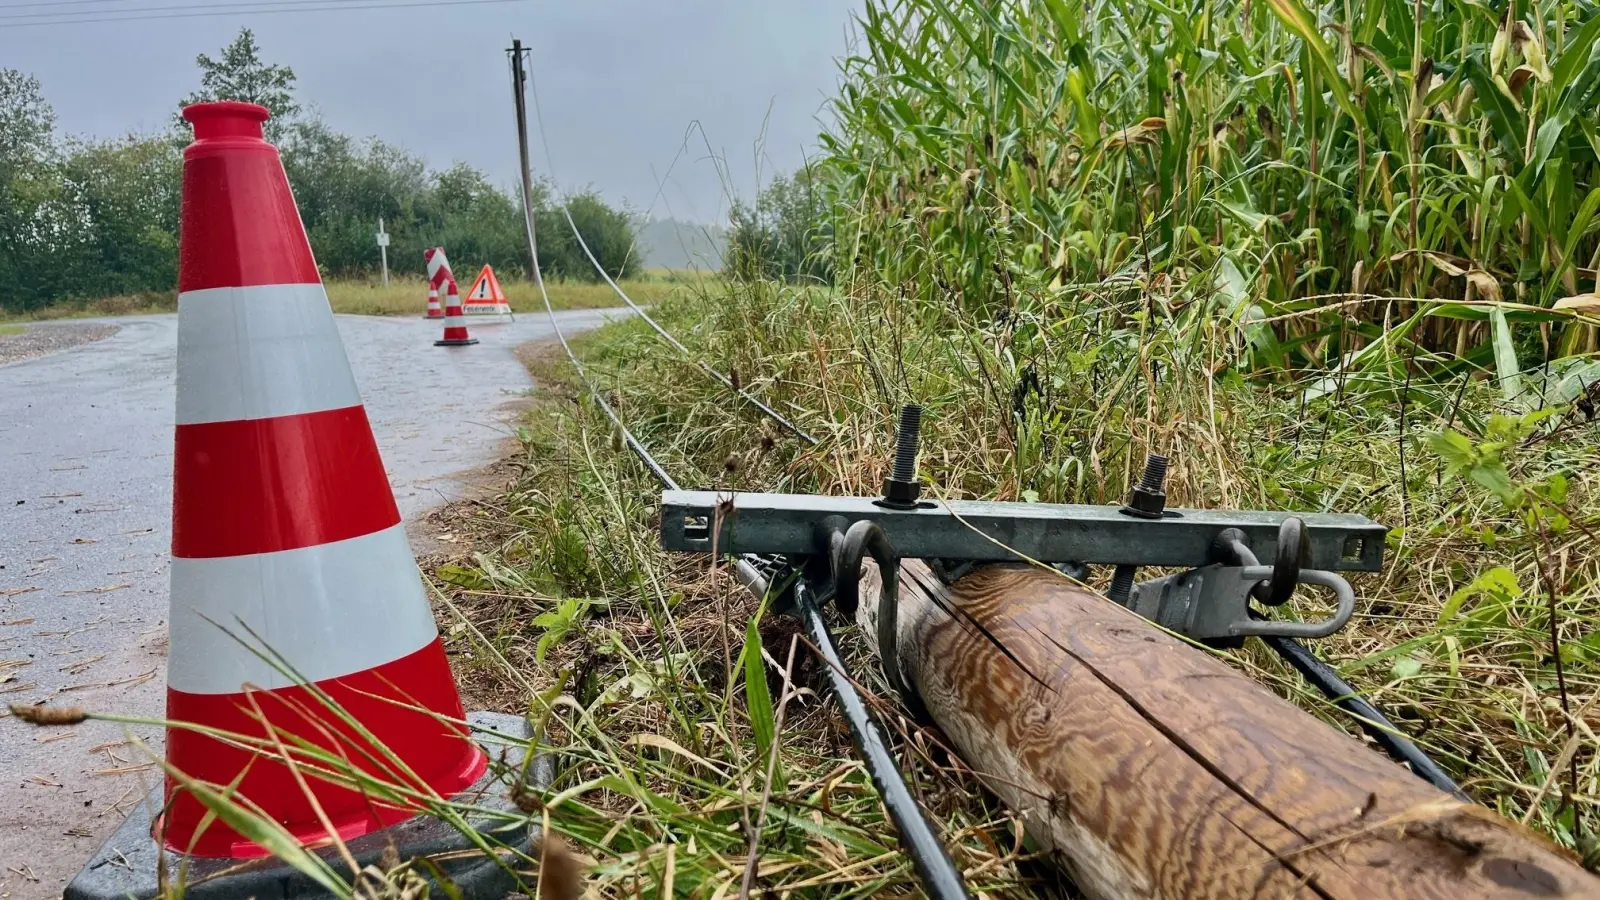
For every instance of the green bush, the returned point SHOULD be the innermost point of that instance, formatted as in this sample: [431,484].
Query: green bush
[785,235]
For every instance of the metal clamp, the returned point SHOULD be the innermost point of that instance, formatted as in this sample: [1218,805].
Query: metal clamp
[1342,591]
[1214,602]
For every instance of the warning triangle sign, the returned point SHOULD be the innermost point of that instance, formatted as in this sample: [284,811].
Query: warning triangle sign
[485,296]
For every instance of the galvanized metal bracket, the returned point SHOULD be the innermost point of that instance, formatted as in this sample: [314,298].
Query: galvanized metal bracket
[1217,548]
[985,531]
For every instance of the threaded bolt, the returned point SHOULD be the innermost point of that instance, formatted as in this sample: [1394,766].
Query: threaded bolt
[906,440]
[1155,472]
[1122,583]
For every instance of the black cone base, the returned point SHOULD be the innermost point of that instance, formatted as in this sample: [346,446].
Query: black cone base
[127,865]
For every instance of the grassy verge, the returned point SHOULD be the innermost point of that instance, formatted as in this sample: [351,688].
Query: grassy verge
[658,730]
[126,305]
[402,297]
[649,651]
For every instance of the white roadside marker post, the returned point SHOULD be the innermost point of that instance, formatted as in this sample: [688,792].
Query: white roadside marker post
[383,249]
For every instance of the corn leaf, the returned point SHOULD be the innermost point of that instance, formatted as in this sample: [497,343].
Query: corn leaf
[1304,24]
[1507,369]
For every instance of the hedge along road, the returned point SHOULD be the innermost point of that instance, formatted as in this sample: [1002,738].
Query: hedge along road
[86,494]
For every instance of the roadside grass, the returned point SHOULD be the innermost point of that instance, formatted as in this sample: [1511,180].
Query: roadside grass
[409,296]
[404,296]
[573,594]
[664,766]
[11,329]
[123,305]
[659,687]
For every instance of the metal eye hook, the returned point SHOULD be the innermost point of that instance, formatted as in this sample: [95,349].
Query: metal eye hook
[1294,551]
[860,539]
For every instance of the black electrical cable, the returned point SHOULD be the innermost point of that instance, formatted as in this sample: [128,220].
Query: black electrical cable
[938,873]
[1372,721]
[1343,695]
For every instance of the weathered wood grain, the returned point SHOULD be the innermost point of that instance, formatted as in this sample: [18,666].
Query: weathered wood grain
[1154,770]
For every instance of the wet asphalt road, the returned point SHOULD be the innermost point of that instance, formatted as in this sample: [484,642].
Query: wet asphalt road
[85,527]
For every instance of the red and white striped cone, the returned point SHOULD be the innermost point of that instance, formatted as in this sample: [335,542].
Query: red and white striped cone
[455,321]
[285,534]
[438,274]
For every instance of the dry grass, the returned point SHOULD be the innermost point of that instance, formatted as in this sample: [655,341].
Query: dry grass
[569,595]
[124,305]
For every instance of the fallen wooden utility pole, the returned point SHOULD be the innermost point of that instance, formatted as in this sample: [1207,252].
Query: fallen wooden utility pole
[1150,769]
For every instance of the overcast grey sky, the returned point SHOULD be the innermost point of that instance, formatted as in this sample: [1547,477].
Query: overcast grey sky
[619,80]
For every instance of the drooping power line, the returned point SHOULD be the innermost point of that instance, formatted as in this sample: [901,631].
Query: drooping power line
[112,5]
[666,335]
[212,10]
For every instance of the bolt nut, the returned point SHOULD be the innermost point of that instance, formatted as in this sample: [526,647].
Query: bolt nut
[1145,503]
[900,494]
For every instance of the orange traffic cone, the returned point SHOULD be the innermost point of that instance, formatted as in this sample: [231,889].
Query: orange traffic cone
[285,535]
[455,322]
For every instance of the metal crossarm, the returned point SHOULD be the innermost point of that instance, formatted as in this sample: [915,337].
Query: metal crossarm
[987,531]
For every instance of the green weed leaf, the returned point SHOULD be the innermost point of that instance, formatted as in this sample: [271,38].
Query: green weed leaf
[757,699]
[462,577]
[1454,448]
[1407,667]
[557,623]
[1499,583]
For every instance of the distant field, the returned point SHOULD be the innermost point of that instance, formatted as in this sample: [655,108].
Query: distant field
[404,297]
[128,305]
[410,296]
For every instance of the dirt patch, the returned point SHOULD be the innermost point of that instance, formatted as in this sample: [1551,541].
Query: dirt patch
[441,533]
[38,340]
[446,532]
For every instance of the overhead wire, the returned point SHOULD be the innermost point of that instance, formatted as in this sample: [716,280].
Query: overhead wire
[256,9]
[57,3]
[638,449]
[666,335]
[287,5]
[747,568]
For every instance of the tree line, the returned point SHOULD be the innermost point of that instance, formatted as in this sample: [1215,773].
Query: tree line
[786,234]
[82,219]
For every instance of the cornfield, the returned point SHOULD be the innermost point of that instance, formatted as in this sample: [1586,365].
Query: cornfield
[1311,176]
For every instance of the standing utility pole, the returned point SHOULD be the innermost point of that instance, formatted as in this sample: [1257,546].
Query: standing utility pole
[519,80]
